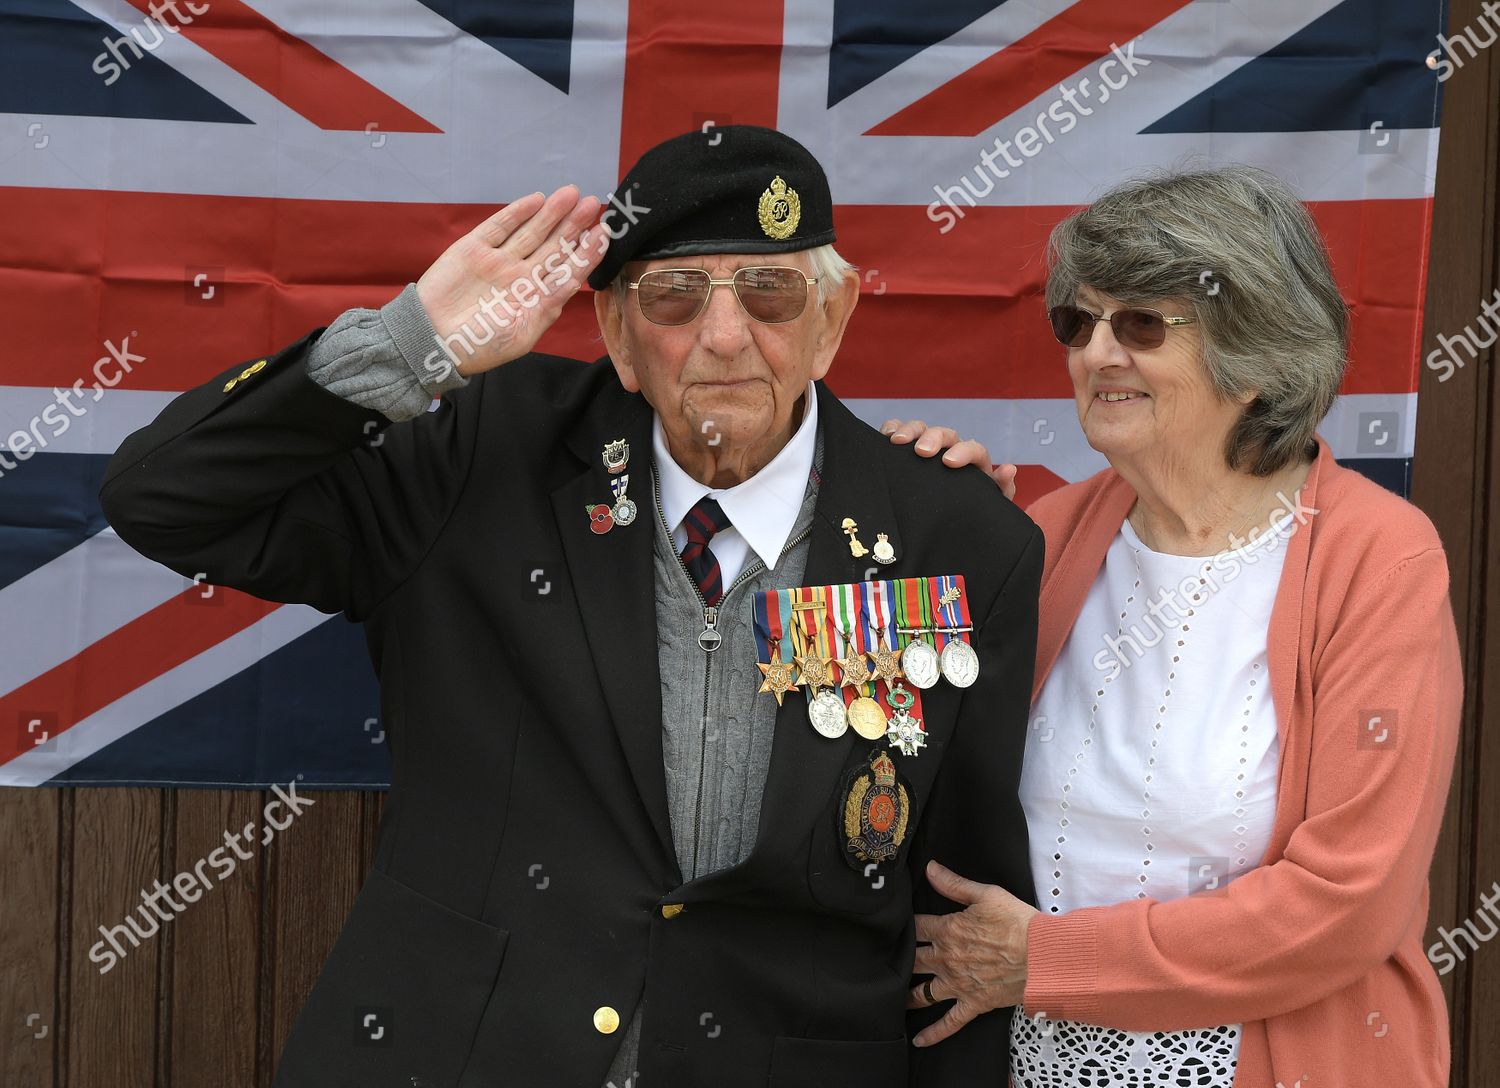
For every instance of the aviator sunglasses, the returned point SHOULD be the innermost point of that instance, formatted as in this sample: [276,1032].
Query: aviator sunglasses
[1138,328]
[768,293]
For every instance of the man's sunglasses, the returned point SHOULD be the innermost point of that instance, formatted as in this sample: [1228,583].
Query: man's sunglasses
[1137,328]
[675,296]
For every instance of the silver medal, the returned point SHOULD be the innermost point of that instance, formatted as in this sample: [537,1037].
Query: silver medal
[625,510]
[919,661]
[960,663]
[827,714]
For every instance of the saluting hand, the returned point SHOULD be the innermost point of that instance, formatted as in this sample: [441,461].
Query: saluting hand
[503,284]
[977,956]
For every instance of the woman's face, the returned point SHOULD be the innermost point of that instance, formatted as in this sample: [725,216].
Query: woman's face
[1148,405]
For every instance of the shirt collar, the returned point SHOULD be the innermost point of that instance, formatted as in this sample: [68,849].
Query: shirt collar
[763,508]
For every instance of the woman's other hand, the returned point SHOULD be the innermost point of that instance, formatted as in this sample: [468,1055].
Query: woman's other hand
[977,956]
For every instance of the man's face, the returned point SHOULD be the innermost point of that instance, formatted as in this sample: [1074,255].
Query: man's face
[725,381]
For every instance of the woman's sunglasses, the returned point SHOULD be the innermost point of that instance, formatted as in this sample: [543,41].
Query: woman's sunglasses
[1137,328]
[675,296]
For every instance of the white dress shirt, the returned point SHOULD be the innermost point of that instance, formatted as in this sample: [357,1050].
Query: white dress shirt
[762,509]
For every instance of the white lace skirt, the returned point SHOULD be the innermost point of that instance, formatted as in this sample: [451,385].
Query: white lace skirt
[1047,1053]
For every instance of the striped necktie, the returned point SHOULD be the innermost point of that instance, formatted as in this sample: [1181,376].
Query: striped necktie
[704,520]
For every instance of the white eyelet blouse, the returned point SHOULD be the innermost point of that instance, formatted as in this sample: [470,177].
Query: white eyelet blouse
[1151,773]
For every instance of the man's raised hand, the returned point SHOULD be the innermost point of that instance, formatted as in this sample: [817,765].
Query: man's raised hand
[492,293]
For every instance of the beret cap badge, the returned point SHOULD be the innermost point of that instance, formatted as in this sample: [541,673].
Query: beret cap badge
[780,210]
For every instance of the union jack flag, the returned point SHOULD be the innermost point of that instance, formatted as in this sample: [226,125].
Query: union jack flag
[187,184]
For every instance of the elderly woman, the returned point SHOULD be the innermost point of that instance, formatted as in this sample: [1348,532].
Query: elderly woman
[1247,688]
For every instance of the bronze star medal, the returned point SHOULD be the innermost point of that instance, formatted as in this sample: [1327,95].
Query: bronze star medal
[887,664]
[853,668]
[778,675]
[814,670]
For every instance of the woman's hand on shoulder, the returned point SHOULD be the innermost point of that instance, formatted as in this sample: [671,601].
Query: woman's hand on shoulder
[957,452]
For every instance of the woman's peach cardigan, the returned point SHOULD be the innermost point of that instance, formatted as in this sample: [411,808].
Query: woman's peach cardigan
[1318,951]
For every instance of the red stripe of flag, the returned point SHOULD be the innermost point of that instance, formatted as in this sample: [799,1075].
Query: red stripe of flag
[1017,74]
[293,71]
[81,267]
[174,631]
[689,61]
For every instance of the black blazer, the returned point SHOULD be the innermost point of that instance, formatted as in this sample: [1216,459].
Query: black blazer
[524,877]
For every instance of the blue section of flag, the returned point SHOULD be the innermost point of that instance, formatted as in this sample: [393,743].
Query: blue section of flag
[536,34]
[1363,62]
[300,713]
[55,58]
[871,37]
[49,504]
[1391,473]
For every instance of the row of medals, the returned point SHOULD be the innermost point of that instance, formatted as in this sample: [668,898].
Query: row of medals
[919,663]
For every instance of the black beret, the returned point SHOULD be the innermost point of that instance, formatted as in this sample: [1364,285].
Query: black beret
[736,189]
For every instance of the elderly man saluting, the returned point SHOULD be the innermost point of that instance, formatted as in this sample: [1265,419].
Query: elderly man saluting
[636,622]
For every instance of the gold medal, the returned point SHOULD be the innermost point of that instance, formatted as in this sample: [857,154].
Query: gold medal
[867,719]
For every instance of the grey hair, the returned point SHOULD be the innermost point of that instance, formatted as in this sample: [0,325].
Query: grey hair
[1238,246]
[828,267]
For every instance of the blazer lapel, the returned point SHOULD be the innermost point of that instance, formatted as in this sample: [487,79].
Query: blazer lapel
[805,766]
[613,579]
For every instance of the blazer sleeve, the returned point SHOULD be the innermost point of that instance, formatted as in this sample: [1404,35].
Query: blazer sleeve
[1353,874]
[974,823]
[262,480]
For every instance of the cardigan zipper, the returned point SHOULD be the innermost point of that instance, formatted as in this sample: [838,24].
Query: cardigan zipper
[710,623]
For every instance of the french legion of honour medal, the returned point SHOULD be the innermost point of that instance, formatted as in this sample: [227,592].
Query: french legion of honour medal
[875,812]
[906,732]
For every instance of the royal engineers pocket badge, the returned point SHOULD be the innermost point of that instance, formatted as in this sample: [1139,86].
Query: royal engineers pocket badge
[875,812]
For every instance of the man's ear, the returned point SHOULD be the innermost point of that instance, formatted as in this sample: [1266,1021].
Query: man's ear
[611,317]
[836,313]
